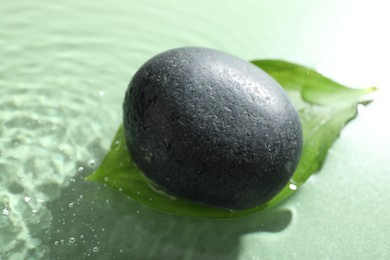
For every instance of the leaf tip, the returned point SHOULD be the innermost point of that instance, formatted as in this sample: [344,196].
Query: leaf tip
[91,177]
[373,89]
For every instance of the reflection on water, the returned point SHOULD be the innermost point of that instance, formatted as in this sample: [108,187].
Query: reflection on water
[43,132]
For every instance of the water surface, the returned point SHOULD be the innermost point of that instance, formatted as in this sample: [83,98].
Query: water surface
[63,73]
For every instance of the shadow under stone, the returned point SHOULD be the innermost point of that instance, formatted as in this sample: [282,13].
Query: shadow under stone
[93,221]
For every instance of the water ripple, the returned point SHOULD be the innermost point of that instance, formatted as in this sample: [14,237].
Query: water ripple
[45,136]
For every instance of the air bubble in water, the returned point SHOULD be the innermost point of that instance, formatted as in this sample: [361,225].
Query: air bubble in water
[6,211]
[72,240]
[95,249]
[91,163]
[80,169]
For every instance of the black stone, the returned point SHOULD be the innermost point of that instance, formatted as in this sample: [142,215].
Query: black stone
[211,127]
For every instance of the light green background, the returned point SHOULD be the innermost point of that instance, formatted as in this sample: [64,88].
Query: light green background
[63,71]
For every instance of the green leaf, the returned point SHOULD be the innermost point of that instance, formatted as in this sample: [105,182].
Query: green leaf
[119,172]
[324,108]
